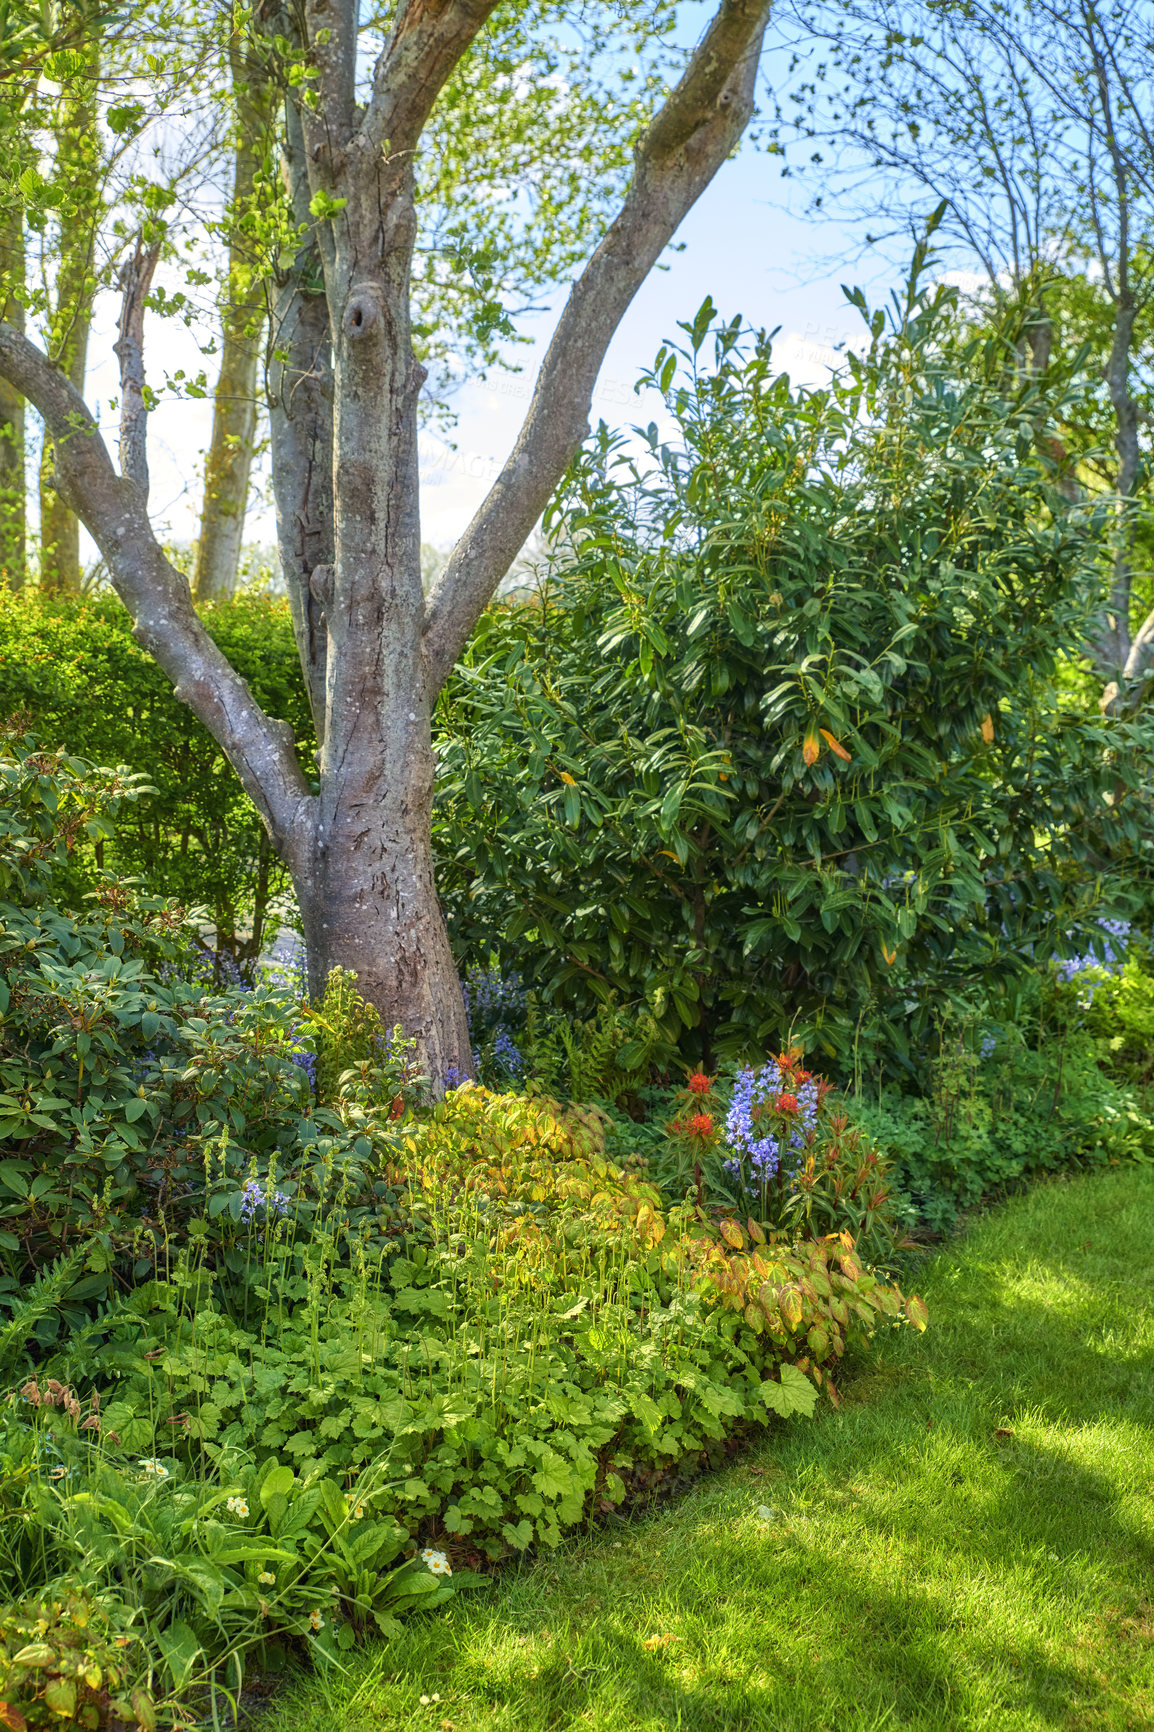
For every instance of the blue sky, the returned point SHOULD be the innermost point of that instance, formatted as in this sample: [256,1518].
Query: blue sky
[740,247]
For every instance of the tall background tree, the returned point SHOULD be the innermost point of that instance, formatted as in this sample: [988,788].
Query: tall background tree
[1029,125]
[236,399]
[13,516]
[357,840]
[71,291]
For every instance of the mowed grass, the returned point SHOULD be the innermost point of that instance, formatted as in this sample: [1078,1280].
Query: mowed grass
[919,1569]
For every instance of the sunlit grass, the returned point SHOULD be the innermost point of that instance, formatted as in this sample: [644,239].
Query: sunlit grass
[968,1543]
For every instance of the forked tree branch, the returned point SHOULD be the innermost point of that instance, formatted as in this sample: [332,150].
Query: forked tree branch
[135,282]
[679,154]
[427,41]
[259,748]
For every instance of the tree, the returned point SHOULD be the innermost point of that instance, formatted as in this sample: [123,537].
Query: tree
[344,401]
[12,511]
[1028,124]
[235,403]
[78,163]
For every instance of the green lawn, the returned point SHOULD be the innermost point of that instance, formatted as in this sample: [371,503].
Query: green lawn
[968,1543]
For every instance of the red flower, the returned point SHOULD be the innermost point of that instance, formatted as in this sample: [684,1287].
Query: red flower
[699,1083]
[701,1125]
[787,1103]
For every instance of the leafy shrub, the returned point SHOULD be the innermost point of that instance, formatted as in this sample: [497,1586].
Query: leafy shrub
[988,1123]
[73,669]
[782,734]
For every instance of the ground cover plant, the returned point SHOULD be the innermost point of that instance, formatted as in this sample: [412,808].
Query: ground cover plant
[964,1543]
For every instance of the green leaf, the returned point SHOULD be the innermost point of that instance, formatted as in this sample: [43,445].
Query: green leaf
[278,1483]
[794,1393]
[181,1649]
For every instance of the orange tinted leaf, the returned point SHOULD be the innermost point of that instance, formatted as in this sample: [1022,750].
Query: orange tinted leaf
[810,747]
[755,1231]
[988,730]
[789,1305]
[732,1234]
[834,745]
[917,1311]
[12,1717]
[891,956]
[569,781]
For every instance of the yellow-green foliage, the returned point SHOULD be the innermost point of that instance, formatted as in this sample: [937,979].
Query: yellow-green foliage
[554,1198]
[536,1174]
[530,1149]
[62,1661]
[807,1297]
[1132,1001]
[349,1033]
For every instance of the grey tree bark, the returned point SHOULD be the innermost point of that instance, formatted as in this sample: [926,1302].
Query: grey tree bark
[228,467]
[13,522]
[344,395]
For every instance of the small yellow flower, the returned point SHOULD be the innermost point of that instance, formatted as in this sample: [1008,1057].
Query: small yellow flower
[238,1506]
[267,1577]
[316,1620]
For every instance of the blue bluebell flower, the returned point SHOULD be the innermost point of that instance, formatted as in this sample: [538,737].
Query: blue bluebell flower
[253,1196]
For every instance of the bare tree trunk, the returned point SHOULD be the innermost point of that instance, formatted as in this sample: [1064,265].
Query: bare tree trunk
[234,421]
[300,399]
[78,154]
[1114,640]
[12,478]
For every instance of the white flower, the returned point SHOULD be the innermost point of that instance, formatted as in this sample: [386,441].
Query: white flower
[357,1512]
[427,1701]
[153,1469]
[238,1506]
[316,1620]
[266,1576]
[437,1562]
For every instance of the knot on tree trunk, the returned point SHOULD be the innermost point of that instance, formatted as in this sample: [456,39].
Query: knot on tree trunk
[364,312]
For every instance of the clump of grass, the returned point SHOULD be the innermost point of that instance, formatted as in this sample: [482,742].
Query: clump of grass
[965,1544]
